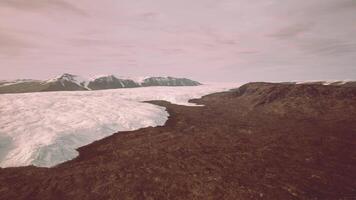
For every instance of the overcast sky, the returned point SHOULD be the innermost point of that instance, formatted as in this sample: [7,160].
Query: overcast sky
[207,40]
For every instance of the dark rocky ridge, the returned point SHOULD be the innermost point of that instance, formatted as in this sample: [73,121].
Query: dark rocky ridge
[261,141]
[111,82]
[168,81]
[62,86]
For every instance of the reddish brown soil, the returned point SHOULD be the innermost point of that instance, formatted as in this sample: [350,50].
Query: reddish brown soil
[262,141]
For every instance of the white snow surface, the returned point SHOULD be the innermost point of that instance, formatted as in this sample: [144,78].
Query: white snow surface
[45,129]
[328,82]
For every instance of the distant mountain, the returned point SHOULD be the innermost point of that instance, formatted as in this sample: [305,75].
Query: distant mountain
[70,82]
[66,82]
[111,82]
[20,86]
[168,81]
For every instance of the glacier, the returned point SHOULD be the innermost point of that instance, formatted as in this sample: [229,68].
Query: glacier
[45,129]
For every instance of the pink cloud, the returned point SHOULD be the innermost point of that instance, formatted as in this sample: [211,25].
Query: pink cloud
[203,39]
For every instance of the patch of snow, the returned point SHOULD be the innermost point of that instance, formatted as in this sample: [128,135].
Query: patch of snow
[328,82]
[45,129]
[81,81]
[334,82]
[138,79]
[100,76]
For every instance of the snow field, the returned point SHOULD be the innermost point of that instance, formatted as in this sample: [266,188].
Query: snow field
[45,129]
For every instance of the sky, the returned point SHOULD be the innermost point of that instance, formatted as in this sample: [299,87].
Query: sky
[206,40]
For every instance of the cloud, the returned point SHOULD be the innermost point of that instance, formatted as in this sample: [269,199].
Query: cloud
[329,47]
[249,40]
[292,31]
[87,42]
[38,5]
[335,6]
[248,52]
[10,45]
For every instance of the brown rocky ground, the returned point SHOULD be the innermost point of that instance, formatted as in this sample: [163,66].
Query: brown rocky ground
[261,141]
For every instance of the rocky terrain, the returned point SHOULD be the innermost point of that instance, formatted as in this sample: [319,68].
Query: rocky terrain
[70,82]
[260,141]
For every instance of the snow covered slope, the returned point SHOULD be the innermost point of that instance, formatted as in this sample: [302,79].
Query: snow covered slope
[66,82]
[44,129]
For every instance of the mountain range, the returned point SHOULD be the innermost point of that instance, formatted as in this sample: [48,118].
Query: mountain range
[70,82]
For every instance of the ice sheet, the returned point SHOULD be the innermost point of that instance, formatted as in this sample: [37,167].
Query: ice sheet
[45,129]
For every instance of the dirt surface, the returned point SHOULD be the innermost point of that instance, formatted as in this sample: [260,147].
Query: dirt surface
[261,141]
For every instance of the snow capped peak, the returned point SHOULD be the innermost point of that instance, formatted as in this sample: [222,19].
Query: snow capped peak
[71,77]
[65,76]
[81,81]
